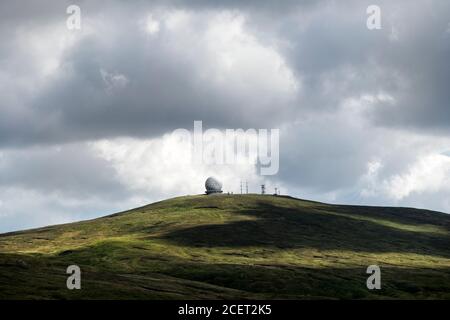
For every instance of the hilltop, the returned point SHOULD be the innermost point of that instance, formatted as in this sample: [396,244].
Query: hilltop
[233,247]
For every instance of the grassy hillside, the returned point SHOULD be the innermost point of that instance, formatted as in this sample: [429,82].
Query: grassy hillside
[239,246]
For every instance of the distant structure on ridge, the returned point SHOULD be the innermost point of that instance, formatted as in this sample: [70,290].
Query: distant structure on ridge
[213,186]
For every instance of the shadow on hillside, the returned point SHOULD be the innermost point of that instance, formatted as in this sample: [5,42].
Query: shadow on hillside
[293,282]
[44,277]
[311,228]
[409,216]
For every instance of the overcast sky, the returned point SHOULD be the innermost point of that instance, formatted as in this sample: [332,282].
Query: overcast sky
[86,115]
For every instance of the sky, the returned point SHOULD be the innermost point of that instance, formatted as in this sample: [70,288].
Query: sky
[87,115]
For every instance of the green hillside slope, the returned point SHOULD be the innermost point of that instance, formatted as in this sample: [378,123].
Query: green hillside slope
[238,246]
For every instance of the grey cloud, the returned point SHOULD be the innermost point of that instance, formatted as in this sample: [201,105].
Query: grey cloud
[340,58]
[71,170]
[328,47]
[166,89]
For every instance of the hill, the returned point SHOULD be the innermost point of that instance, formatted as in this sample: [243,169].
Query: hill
[238,246]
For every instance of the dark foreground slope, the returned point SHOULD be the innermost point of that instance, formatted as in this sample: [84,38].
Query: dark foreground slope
[240,246]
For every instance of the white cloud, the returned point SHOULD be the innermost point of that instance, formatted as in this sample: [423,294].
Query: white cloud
[239,59]
[152,25]
[162,167]
[429,174]
[417,183]
[371,178]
